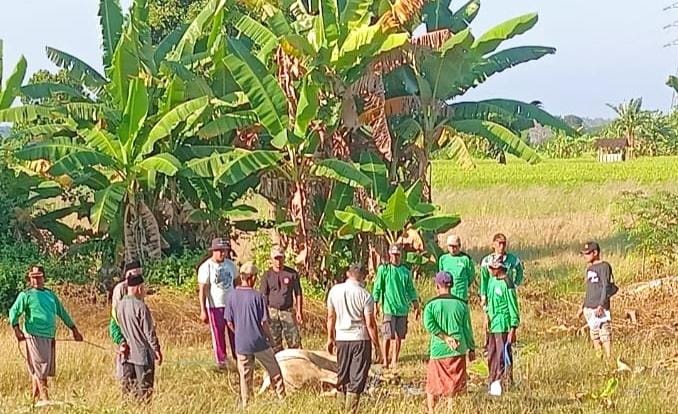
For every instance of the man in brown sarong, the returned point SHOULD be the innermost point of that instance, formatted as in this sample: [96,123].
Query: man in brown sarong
[40,308]
[448,320]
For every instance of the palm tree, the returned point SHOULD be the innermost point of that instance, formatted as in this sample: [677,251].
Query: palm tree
[630,120]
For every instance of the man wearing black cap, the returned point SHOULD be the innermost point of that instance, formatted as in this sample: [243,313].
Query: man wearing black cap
[138,329]
[599,288]
[130,269]
[215,280]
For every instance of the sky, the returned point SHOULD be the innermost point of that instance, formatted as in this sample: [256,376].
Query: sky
[609,51]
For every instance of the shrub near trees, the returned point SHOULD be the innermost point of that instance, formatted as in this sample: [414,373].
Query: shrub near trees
[294,105]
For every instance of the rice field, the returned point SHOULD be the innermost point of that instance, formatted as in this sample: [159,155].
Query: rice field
[547,211]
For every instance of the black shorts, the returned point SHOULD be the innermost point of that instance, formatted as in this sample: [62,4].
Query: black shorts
[394,326]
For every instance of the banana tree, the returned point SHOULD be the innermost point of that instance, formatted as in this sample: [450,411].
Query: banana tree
[423,78]
[303,110]
[122,137]
[10,89]
[401,214]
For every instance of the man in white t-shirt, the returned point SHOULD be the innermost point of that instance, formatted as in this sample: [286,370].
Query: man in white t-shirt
[215,278]
[352,330]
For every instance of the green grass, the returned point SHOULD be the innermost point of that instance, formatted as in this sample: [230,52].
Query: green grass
[554,173]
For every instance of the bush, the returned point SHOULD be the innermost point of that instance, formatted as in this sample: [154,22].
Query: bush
[650,223]
[177,271]
[15,260]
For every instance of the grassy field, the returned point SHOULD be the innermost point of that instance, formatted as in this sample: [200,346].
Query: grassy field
[547,211]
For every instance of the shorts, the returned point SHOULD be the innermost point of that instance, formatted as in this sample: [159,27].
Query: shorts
[394,326]
[41,356]
[603,333]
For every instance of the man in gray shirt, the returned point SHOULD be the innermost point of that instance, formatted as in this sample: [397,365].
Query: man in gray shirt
[599,288]
[138,328]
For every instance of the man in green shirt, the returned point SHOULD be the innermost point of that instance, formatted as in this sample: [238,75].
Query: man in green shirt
[503,317]
[394,294]
[459,265]
[40,308]
[448,320]
[514,267]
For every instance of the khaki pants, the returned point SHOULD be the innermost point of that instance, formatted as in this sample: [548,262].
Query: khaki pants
[246,370]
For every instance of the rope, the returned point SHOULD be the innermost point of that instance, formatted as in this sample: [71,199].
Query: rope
[87,343]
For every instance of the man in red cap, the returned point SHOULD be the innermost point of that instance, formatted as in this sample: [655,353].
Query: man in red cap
[215,280]
[40,308]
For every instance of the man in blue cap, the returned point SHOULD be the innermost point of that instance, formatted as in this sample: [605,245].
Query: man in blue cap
[448,320]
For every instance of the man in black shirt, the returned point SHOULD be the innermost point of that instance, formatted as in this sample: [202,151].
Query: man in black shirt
[282,291]
[596,306]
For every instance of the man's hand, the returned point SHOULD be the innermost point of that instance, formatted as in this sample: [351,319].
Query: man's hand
[451,342]
[158,357]
[18,333]
[471,355]
[512,336]
[77,336]
[203,316]
[330,346]
[300,318]
[600,311]
[123,350]
[376,354]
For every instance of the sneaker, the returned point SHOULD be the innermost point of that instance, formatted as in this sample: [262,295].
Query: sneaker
[495,389]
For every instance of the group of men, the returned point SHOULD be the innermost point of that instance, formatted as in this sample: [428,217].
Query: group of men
[254,323]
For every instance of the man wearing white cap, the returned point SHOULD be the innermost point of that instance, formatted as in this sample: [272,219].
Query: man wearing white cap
[459,265]
[394,294]
[282,290]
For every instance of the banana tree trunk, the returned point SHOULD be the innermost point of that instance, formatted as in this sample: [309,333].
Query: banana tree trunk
[143,241]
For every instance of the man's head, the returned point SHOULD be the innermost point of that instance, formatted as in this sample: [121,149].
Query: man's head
[591,251]
[498,268]
[499,244]
[443,282]
[453,244]
[355,273]
[394,254]
[248,274]
[277,258]
[36,276]
[136,286]
[132,268]
[220,249]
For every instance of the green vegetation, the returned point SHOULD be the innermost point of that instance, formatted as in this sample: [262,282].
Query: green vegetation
[312,125]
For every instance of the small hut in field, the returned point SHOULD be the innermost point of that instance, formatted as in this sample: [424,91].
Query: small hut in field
[611,149]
